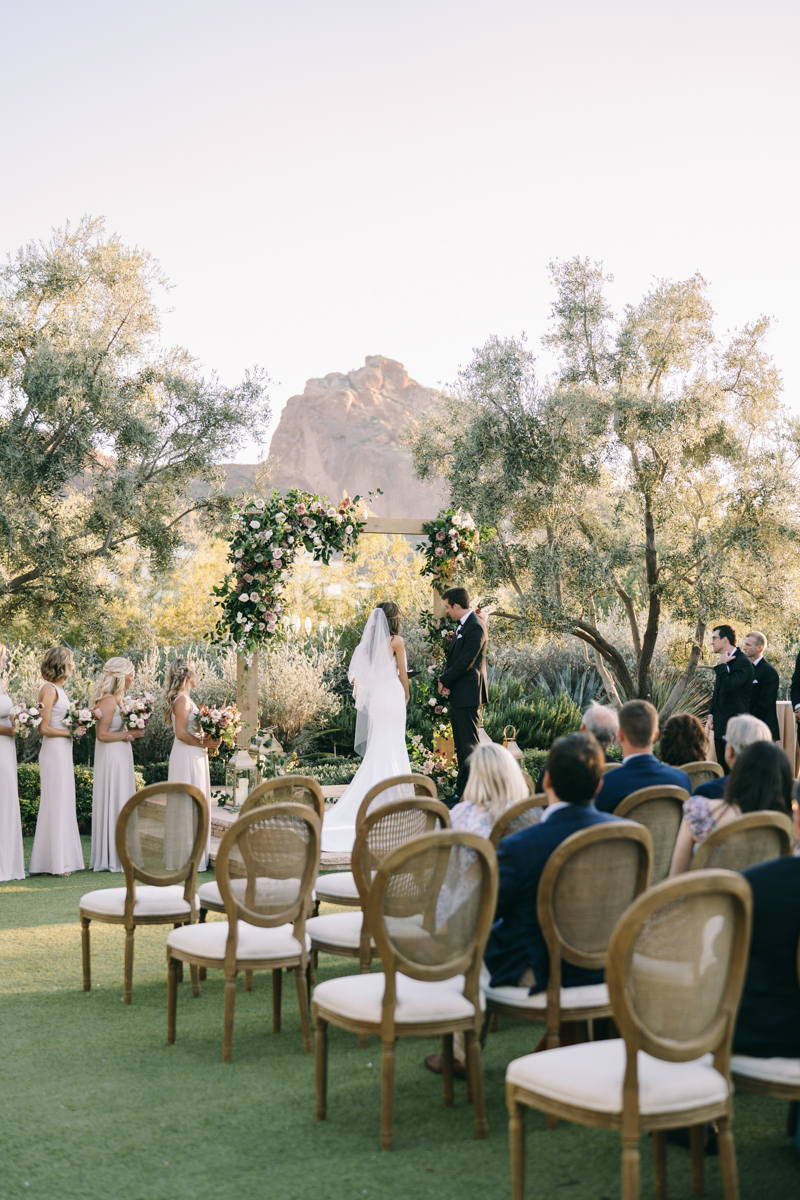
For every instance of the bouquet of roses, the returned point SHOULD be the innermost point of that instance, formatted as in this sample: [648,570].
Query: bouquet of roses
[222,724]
[432,763]
[25,719]
[79,719]
[136,712]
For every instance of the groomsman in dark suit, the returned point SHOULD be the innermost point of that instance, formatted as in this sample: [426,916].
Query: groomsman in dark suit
[794,694]
[733,686]
[765,683]
[463,681]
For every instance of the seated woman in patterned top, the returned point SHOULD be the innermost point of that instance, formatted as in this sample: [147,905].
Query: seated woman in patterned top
[761,779]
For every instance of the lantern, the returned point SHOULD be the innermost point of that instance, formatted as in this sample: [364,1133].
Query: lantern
[240,778]
[510,743]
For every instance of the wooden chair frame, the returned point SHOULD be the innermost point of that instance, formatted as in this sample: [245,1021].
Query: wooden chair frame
[705,766]
[627,807]
[511,814]
[133,873]
[611,766]
[468,965]
[294,913]
[753,820]
[716,1040]
[423,782]
[766,1087]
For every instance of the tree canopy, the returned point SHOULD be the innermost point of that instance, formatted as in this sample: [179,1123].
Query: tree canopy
[101,429]
[654,472]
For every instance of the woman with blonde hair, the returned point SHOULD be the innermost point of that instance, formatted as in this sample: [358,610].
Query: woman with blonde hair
[57,846]
[188,758]
[12,860]
[114,781]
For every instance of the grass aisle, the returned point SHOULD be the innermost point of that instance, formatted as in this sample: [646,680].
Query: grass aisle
[95,1105]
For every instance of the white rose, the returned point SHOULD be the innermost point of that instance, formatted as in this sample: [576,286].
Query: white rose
[260,505]
[255,524]
[238,553]
[239,618]
[266,535]
[254,597]
[330,512]
[280,517]
[245,596]
[349,529]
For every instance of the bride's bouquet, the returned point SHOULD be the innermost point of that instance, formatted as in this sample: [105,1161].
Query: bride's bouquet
[136,712]
[79,719]
[222,724]
[25,719]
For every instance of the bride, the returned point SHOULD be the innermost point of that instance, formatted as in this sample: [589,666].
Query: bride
[380,690]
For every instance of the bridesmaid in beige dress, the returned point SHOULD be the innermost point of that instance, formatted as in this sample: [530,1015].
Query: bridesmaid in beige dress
[114,780]
[188,759]
[57,846]
[12,861]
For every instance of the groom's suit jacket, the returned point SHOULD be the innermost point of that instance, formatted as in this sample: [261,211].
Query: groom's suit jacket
[465,671]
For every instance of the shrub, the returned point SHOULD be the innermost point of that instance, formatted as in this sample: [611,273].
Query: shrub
[30,791]
[538,719]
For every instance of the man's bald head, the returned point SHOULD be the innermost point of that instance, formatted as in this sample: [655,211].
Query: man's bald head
[602,721]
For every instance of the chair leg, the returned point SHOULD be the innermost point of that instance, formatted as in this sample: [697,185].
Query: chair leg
[486,1027]
[172,997]
[179,925]
[277,984]
[550,1122]
[697,1150]
[311,973]
[791,1118]
[302,1001]
[475,1076]
[321,1067]
[248,981]
[230,1005]
[447,1070]
[387,1095]
[660,1164]
[727,1159]
[86,955]
[630,1168]
[128,984]
[195,974]
[516,1139]
[203,971]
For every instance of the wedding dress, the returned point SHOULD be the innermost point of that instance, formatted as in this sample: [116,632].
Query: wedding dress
[57,846]
[114,784]
[12,862]
[187,764]
[380,732]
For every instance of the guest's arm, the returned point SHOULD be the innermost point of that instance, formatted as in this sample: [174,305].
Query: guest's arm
[510,882]
[682,854]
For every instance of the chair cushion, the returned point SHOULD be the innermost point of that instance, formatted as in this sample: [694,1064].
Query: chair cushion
[283,890]
[767,1070]
[338,886]
[151,901]
[592,995]
[209,940]
[359,998]
[337,929]
[590,1075]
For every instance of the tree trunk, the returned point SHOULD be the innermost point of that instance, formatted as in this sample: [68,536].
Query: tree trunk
[645,677]
[688,673]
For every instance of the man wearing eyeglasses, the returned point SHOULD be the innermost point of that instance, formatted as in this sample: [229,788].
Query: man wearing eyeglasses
[733,686]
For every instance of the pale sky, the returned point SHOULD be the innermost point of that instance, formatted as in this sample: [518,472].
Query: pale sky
[327,179]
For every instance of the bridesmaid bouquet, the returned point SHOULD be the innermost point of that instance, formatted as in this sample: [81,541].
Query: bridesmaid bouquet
[79,719]
[136,712]
[25,719]
[222,724]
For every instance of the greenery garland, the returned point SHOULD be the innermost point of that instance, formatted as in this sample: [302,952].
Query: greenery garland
[267,537]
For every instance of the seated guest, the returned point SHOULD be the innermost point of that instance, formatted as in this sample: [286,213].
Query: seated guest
[741,731]
[682,740]
[638,730]
[761,779]
[495,781]
[768,1025]
[602,721]
[516,952]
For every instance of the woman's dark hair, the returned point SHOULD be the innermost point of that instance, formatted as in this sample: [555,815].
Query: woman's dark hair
[683,740]
[392,616]
[761,779]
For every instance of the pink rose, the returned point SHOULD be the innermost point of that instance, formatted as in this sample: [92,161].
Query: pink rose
[439,552]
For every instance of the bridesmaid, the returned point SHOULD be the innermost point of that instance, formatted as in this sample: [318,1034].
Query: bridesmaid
[57,846]
[12,861]
[114,781]
[188,759]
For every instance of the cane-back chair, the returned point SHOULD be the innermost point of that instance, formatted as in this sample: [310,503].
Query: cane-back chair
[745,841]
[676,966]
[339,887]
[587,884]
[611,766]
[701,772]
[160,836]
[266,866]
[517,816]
[529,780]
[659,809]
[431,942]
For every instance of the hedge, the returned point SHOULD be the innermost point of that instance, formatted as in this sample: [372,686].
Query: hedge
[29,792]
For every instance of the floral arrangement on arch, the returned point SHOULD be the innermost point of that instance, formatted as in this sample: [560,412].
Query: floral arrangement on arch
[433,764]
[268,535]
[453,538]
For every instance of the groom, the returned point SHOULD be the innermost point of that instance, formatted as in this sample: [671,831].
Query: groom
[463,681]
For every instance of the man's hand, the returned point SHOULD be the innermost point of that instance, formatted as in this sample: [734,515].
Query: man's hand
[726,656]
[710,723]
[441,690]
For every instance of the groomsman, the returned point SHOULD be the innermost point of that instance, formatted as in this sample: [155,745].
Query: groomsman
[794,694]
[765,683]
[733,686]
[463,681]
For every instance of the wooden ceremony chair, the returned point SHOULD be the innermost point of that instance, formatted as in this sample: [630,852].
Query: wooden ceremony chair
[745,841]
[160,836]
[587,884]
[266,866]
[676,966]
[529,780]
[611,766]
[379,833]
[659,809]
[701,772]
[517,816]
[777,1077]
[431,954]
[339,887]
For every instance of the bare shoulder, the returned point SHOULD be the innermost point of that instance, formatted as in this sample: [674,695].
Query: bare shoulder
[181,703]
[106,704]
[397,642]
[47,691]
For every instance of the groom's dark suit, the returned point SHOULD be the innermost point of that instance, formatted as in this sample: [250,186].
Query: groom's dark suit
[465,677]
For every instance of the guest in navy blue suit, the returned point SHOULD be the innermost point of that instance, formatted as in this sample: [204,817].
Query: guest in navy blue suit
[638,729]
[516,952]
[741,731]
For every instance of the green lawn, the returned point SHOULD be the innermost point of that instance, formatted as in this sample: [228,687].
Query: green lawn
[95,1104]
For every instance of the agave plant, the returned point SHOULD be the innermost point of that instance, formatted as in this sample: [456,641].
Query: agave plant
[579,685]
[695,700]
